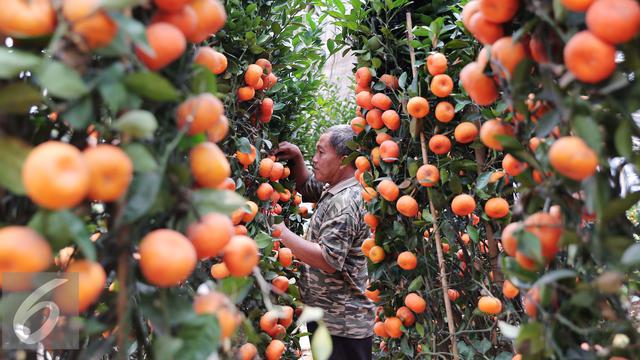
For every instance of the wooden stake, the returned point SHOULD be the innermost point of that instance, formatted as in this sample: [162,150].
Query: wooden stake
[442,269]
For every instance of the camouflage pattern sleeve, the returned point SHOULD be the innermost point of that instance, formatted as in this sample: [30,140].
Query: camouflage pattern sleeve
[337,232]
[311,190]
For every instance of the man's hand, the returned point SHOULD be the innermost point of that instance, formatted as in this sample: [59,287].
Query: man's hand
[282,227]
[288,151]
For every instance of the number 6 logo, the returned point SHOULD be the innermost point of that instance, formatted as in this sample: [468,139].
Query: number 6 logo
[30,306]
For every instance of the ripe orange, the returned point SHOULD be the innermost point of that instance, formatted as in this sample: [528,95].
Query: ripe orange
[376,254]
[614,21]
[506,55]
[389,151]
[406,316]
[531,301]
[219,271]
[439,144]
[91,281]
[525,262]
[513,166]
[418,107]
[247,351]
[219,131]
[490,129]
[379,330]
[573,158]
[211,18]
[463,205]
[285,257]
[407,260]
[246,93]
[287,319]
[274,350]
[441,85]
[210,235]
[22,18]
[200,113]
[381,101]
[166,257]
[241,255]
[484,30]
[375,155]
[265,166]
[167,43]
[360,89]
[577,5]
[171,5]
[362,163]
[382,137]
[246,159]
[363,99]
[470,9]
[184,19]
[509,290]
[22,250]
[496,208]
[277,170]
[371,220]
[388,190]
[209,165]
[110,171]
[428,175]
[407,206]
[368,194]
[264,191]
[247,217]
[281,283]
[265,65]
[465,132]
[436,64]
[252,75]
[392,325]
[548,229]
[363,76]
[480,87]
[217,304]
[415,302]
[266,110]
[56,176]
[374,119]
[214,61]
[509,241]
[90,22]
[390,81]
[499,11]
[445,112]
[588,58]
[391,119]
[358,124]
[489,305]
[453,294]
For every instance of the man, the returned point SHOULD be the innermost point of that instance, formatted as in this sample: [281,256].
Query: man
[334,274]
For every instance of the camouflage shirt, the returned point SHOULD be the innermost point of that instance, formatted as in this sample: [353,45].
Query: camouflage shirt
[338,226]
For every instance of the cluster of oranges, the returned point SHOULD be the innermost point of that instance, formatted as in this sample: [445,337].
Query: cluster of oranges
[405,316]
[259,77]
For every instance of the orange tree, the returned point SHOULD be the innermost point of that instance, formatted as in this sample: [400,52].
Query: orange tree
[118,157]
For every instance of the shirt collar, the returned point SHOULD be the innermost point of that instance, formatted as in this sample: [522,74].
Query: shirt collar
[342,185]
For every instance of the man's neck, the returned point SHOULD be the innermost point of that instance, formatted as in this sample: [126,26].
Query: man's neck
[344,175]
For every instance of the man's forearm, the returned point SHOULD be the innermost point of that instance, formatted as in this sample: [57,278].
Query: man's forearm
[306,251]
[300,172]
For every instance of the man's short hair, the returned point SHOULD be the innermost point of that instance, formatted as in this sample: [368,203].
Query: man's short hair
[339,135]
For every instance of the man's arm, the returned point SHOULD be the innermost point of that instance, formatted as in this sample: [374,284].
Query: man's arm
[306,251]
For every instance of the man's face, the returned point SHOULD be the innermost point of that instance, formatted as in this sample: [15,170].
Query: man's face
[326,163]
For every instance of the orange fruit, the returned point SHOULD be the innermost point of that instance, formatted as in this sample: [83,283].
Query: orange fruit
[210,235]
[480,87]
[368,194]
[379,330]
[573,158]
[445,248]
[247,217]
[506,55]
[185,19]
[534,142]
[110,171]
[56,176]
[445,112]
[376,254]
[358,124]
[22,249]
[166,257]
[577,5]
[366,246]
[217,304]
[390,81]
[589,58]
[509,290]
[496,176]
[465,132]
[407,206]
[264,191]
[247,351]
[392,325]
[453,294]
[374,119]
[214,61]
[91,281]
[499,11]
[362,163]
[90,22]
[490,129]
[418,107]
[436,64]
[209,165]
[463,205]
[470,9]
[246,93]
[363,99]
[407,260]
[531,301]
[428,175]
[171,5]
[391,119]
[509,241]
[281,283]
[513,166]
[373,295]
[388,190]
[484,30]
[406,316]
[252,75]
[211,18]
[265,65]
[277,170]
[270,80]
[241,255]
[22,18]
[548,229]
[441,85]
[381,101]
[489,305]
[363,76]
[614,21]
[266,110]
[285,257]
[439,144]
[371,220]
[526,262]
[265,166]
[200,113]
[219,131]
[389,151]
[375,155]
[268,321]
[496,208]
[287,319]
[219,271]
[360,89]
[167,44]
[415,302]
[246,159]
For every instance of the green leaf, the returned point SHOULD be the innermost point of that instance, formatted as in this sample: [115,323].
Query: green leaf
[80,113]
[531,337]
[509,143]
[200,337]
[416,284]
[137,123]
[166,347]
[142,159]
[483,180]
[623,141]
[529,245]
[13,153]
[203,80]
[61,228]
[12,62]
[61,81]
[263,239]
[121,4]
[243,145]
[631,256]
[134,29]
[152,86]
[321,345]
[18,98]
[420,329]
[588,129]
[141,196]
[221,201]
[114,94]
[554,276]
[237,288]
